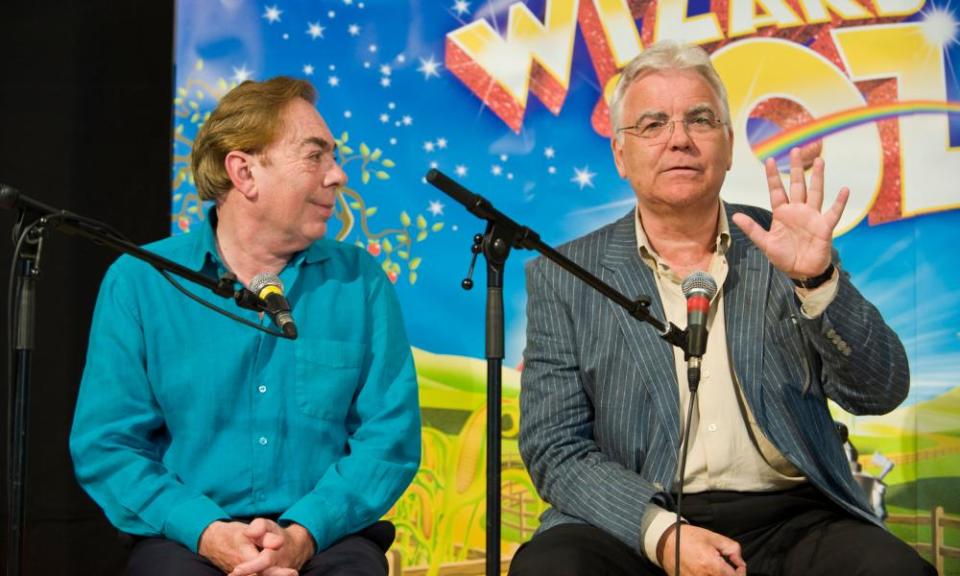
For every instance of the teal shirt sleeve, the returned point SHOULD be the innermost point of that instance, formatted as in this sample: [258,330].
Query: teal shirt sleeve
[118,429]
[383,430]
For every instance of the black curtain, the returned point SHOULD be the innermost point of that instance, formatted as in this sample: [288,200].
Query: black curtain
[86,92]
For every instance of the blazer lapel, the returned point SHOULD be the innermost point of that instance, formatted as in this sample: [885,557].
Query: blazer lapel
[745,294]
[624,270]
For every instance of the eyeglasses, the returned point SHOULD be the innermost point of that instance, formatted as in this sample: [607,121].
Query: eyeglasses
[658,130]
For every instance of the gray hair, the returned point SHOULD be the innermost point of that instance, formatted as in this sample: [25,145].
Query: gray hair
[666,55]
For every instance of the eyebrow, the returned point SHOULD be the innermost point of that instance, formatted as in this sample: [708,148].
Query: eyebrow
[660,115]
[324,145]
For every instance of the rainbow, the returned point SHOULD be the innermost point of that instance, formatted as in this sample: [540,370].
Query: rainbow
[781,144]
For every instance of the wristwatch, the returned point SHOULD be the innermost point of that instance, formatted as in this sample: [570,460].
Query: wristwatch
[815,281]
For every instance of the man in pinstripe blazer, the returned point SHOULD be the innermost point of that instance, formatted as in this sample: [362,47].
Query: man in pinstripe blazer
[767,484]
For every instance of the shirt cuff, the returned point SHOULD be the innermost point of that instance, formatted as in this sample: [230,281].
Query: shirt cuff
[187,521]
[813,301]
[656,521]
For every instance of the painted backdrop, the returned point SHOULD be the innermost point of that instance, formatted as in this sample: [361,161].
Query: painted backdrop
[509,98]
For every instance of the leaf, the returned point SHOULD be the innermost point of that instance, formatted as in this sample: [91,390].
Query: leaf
[371,211]
[179,129]
[402,238]
[403,254]
[193,104]
[178,101]
[381,175]
[437,227]
[365,176]
[359,244]
[421,221]
[388,163]
[413,278]
[346,150]
[199,94]
[375,155]
[415,263]
[355,205]
[195,117]
[386,265]
[344,137]
[182,92]
[387,246]
[405,218]
[222,85]
[177,197]
[199,64]
[192,209]
[422,236]
[364,149]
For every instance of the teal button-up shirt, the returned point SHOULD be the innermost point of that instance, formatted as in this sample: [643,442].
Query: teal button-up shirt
[186,417]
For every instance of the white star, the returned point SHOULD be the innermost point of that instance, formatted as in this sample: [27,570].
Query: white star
[461,7]
[441,143]
[583,177]
[460,170]
[384,118]
[286,36]
[401,58]
[407,120]
[360,5]
[551,169]
[393,141]
[372,47]
[331,14]
[496,170]
[333,81]
[348,2]
[386,70]
[315,30]
[332,67]
[391,105]
[366,65]
[308,69]
[434,164]
[241,74]
[503,157]
[385,82]
[347,114]
[436,208]
[353,30]
[509,175]
[429,67]
[272,14]
[428,146]
[549,152]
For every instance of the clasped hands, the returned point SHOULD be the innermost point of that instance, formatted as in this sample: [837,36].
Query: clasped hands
[261,547]
[799,242]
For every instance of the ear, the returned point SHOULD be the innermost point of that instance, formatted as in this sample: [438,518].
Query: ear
[617,149]
[239,167]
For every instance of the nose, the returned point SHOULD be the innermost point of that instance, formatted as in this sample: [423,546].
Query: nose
[335,177]
[679,137]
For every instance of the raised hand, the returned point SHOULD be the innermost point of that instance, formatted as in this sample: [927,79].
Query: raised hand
[800,238]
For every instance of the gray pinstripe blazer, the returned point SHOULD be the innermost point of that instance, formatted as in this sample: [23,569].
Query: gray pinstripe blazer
[600,416]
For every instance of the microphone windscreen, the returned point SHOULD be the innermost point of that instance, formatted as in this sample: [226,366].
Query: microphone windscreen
[699,282]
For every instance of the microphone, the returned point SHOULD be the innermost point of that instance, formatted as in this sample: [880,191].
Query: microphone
[269,289]
[699,288]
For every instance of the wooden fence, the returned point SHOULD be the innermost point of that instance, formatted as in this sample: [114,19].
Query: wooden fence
[935,550]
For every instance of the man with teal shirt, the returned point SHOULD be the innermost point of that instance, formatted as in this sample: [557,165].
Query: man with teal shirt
[225,449]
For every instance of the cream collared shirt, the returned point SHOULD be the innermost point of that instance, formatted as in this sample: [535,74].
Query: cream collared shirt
[728,450]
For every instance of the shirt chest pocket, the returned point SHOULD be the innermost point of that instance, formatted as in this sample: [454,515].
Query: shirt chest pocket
[327,376]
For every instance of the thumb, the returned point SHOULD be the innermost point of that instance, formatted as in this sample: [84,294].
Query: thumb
[754,231]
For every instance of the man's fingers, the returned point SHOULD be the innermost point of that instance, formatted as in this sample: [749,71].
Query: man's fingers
[798,183]
[272,541]
[777,194]
[833,215]
[754,231]
[815,193]
[256,529]
[261,562]
[278,571]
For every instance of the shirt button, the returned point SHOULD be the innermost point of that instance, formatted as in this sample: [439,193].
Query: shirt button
[262,388]
[263,440]
[712,427]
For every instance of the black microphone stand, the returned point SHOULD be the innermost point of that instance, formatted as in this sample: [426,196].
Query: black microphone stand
[501,235]
[28,259]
